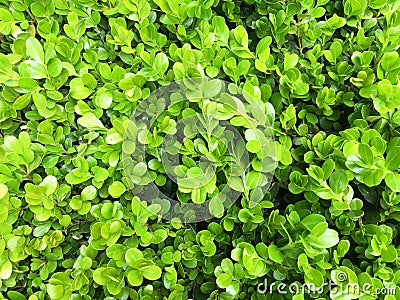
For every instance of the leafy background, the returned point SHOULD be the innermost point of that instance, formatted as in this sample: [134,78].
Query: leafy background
[71,74]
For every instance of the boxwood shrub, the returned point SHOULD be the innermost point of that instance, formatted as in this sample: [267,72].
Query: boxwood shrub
[314,210]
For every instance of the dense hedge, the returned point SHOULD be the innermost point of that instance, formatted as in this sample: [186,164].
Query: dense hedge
[73,224]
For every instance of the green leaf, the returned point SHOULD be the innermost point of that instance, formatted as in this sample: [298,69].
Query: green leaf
[116,189]
[89,193]
[50,184]
[114,138]
[36,69]
[80,92]
[355,8]
[224,280]
[335,22]
[27,83]
[90,121]
[151,272]
[105,99]
[275,254]
[140,169]
[132,255]
[343,247]
[98,276]
[4,203]
[389,254]
[161,63]
[22,102]
[6,72]
[392,161]
[312,220]
[392,180]
[54,67]
[290,61]
[328,239]
[6,270]
[3,190]
[77,177]
[14,295]
[366,153]
[34,50]
[216,207]
[253,180]
[135,278]
[253,146]
[212,88]
[241,36]
[5,15]
[338,181]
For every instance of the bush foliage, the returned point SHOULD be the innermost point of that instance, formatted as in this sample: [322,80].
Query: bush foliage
[73,72]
